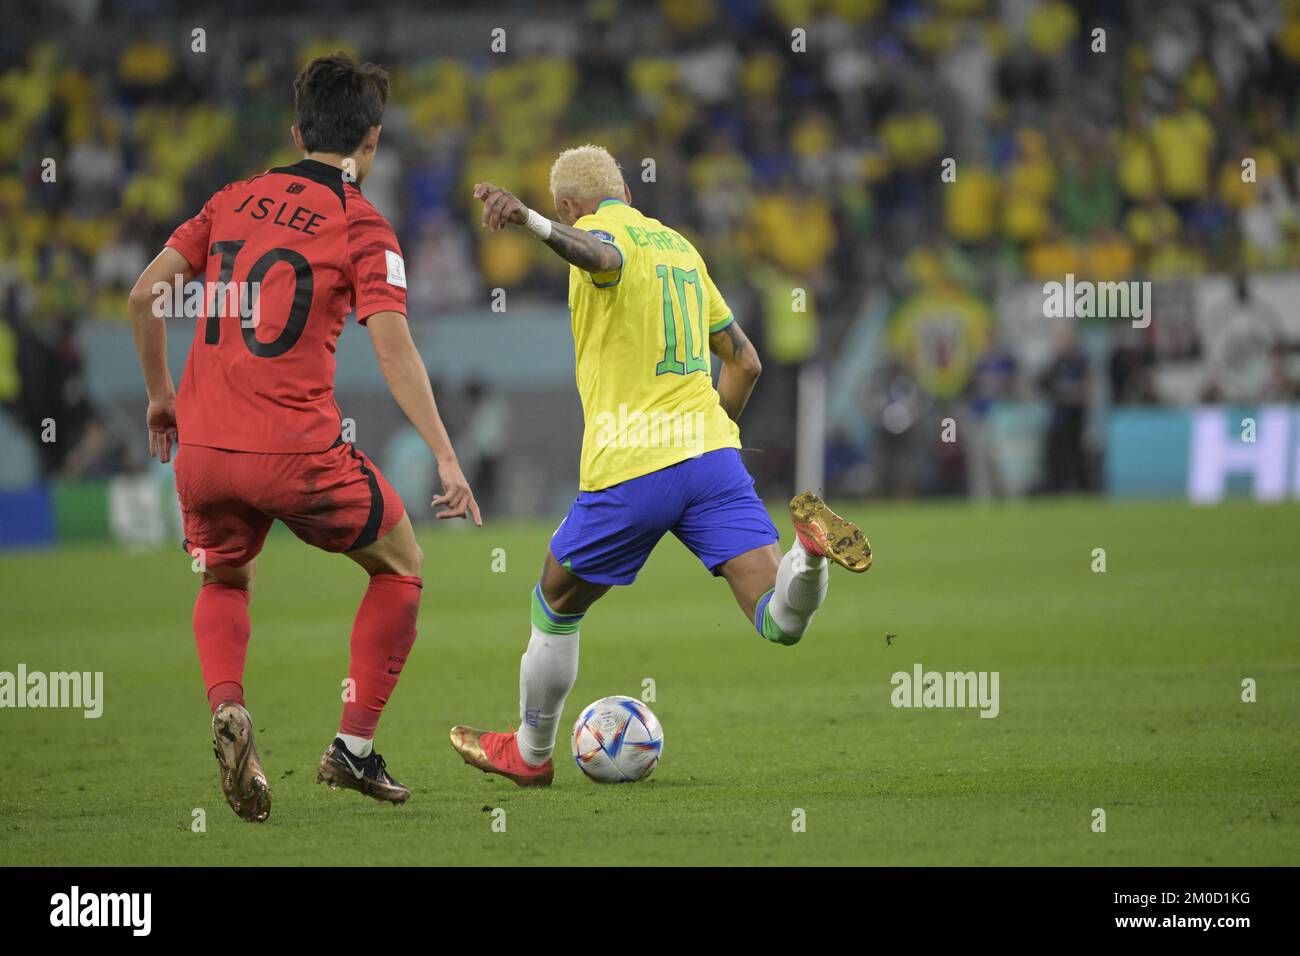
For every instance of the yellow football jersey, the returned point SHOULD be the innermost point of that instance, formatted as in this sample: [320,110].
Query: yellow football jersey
[641,343]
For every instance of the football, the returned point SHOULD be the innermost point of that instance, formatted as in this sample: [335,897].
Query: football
[617,740]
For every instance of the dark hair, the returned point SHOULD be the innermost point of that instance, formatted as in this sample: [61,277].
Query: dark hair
[338,102]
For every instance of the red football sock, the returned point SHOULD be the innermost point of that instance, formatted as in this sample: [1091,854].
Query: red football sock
[382,636]
[221,631]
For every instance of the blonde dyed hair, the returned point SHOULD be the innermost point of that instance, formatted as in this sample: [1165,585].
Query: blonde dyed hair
[586,173]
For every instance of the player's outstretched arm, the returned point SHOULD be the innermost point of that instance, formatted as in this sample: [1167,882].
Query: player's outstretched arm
[740,368]
[575,246]
[408,381]
[149,326]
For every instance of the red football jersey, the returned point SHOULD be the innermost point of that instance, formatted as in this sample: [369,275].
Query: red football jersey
[315,249]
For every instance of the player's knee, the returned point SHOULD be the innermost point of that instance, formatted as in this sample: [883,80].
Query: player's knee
[562,602]
[397,552]
[568,600]
[408,564]
[563,592]
[409,561]
[231,578]
[558,614]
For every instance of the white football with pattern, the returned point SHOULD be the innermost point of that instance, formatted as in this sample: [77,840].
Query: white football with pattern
[617,740]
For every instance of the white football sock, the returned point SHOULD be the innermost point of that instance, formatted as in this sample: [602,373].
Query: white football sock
[547,672]
[801,583]
[358,746]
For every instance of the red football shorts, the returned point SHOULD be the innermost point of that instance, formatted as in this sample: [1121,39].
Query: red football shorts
[335,500]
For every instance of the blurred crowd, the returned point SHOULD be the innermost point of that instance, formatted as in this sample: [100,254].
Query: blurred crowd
[813,158]
[840,147]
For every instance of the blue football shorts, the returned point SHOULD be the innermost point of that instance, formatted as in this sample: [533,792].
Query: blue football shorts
[708,502]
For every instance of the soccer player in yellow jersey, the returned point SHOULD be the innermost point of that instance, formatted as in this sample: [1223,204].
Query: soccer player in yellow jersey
[660,448]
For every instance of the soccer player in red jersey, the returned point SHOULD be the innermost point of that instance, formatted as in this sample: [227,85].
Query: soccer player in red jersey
[289,254]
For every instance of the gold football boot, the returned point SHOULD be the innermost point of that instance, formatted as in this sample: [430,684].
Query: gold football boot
[825,533]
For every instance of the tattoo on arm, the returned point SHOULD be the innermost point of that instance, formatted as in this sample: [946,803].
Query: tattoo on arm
[729,343]
[740,368]
[582,249]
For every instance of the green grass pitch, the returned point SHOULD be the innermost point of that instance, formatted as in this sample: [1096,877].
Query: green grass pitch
[1119,690]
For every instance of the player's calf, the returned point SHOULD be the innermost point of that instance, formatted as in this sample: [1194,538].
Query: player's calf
[547,672]
[784,613]
[383,634]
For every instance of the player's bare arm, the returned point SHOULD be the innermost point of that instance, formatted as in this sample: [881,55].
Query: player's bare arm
[582,249]
[575,246]
[740,368]
[151,346]
[408,381]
